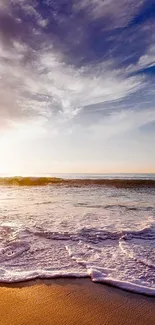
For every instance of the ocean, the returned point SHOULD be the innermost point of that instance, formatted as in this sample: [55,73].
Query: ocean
[98,226]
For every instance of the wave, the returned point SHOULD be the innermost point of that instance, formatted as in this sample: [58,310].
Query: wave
[99,277]
[30,253]
[43,181]
[93,235]
[113,206]
[85,234]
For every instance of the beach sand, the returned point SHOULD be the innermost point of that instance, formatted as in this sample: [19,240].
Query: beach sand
[73,302]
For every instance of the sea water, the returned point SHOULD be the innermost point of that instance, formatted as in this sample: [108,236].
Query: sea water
[106,233]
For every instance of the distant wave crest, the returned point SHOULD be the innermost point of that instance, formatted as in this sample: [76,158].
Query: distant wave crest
[43,181]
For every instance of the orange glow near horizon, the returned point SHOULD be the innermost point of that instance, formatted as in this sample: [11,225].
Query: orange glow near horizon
[14,163]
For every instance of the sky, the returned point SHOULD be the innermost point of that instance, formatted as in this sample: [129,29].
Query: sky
[77,86]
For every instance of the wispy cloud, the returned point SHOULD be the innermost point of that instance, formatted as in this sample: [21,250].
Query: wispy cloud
[76,66]
[38,77]
[49,86]
[116,14]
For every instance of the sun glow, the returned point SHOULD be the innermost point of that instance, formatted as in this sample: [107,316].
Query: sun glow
[8,164]
[13,154]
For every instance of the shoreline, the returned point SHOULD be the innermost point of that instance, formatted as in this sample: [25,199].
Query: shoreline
[118,285]
[69,301]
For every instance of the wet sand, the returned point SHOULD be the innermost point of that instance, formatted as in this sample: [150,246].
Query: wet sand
[73,302]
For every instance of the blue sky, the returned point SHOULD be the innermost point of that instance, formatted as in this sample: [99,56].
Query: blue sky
[77,86]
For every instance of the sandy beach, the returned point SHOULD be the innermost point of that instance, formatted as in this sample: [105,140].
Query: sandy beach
[72,301]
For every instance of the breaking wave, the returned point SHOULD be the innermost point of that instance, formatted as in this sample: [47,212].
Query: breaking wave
[43,181]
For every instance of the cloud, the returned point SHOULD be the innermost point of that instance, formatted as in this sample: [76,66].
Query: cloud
[50,87]
[123,122]
[58,59]
[148,59]
[116,14]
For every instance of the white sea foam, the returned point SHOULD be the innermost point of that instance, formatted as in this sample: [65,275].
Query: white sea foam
[38,254]
[137,288]
[75,234]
